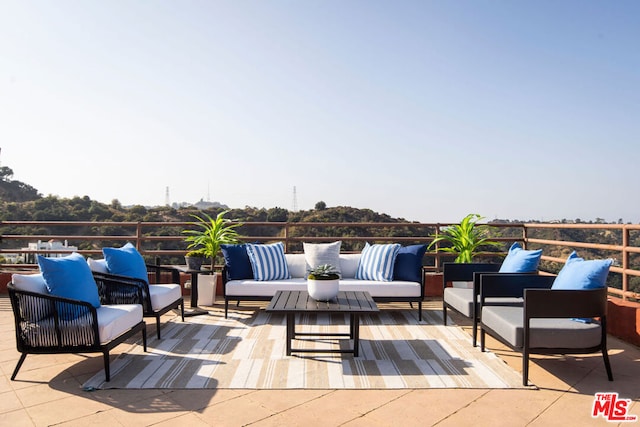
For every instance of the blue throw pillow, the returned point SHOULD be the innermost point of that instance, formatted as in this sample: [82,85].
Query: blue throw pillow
[580,274]
[377,262]
[408,264]
[69,277]
[237,262]
[268,261]
[126,261]
[519,260]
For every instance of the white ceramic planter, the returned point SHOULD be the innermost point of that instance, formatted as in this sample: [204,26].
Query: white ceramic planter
[323,290]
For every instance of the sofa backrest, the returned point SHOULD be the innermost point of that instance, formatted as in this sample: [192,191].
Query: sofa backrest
[298,265]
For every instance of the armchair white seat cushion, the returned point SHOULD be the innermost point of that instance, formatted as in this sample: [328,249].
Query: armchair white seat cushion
[163,294]
[113,320]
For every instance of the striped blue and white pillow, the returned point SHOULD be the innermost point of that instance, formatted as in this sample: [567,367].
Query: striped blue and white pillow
[268,261]
[377,262]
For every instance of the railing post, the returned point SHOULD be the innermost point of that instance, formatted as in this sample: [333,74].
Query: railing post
[286,237]
[139,236]
[625,261]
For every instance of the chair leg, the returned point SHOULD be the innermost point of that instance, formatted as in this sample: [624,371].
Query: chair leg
[158,325]
[420,311]
[20,362]
[182,310]
[226,307]
[482,338]
[444,314]
[107,369]
[607,365]
[525,367]
[475,331]
[144,338]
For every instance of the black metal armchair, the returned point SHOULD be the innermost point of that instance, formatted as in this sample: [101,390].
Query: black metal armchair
[156,299]
[549,321]
[46,324]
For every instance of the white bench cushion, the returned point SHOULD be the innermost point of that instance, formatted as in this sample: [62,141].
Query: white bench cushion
[375,288]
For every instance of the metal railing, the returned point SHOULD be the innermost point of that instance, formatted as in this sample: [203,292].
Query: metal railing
[164,241]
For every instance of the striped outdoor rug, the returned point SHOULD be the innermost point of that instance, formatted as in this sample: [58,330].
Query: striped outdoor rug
[248,352]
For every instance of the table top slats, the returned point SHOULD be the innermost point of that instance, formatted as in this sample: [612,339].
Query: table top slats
[300,301]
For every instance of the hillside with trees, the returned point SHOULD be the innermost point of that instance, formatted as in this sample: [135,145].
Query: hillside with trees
[22,202]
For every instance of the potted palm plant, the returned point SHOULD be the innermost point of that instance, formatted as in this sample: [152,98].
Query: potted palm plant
[211,234]
[323,282]
[464,240]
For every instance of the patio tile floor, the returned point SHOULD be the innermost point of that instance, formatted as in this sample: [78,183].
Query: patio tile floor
[48,392]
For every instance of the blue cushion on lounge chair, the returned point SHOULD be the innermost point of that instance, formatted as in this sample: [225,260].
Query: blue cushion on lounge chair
[519,260]
[126,261]
[580,274]
[69,277]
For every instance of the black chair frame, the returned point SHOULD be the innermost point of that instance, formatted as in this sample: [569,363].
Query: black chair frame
[115,289]
[53,335]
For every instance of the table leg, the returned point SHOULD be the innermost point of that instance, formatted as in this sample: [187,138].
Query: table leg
[194,310]
[290,331]
[355,324]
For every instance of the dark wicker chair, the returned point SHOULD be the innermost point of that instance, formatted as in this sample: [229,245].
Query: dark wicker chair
[47,324]
[156,299]
[548,321]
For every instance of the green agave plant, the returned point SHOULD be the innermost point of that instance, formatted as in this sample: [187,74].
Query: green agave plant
[212,233]
[465,239]
[323,272]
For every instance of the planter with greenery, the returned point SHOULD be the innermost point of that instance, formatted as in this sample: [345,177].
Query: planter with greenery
[464,239]
[323,282]
[194,259]
[211,234]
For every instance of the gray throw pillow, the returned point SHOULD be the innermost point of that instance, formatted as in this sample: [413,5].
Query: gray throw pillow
[317,254]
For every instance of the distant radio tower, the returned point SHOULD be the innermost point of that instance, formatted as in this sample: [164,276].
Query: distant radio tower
[167,202]
[295,199]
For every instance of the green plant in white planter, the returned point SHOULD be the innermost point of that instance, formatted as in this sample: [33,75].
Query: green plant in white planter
[323,282]
[212,233]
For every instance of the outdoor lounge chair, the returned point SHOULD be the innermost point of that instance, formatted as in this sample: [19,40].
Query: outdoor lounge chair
[549,321]
[156,299]
[465,300]
[48,324]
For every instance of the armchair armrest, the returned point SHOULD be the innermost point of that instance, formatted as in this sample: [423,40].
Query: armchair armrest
[557,303]
[159,269]
[115,289]
[465,271]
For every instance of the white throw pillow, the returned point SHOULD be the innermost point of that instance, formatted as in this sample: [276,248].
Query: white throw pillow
[297,265]
[322,253]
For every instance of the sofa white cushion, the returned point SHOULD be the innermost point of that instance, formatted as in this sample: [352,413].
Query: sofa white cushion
[377,288]
[163,294]
[297,265]
[349,265]
[113,320]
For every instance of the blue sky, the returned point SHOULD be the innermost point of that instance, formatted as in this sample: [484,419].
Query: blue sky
[424,110]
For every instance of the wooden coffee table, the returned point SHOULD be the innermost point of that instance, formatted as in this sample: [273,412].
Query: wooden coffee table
[292,303]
